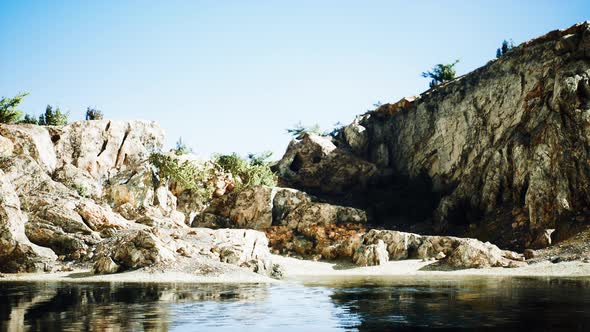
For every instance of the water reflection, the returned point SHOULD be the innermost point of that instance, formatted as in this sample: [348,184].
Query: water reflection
[101,307]
[364,304]
[469,303]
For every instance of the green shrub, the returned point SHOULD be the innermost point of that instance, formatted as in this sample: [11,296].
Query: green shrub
[506,46]
[260,159]
[9,112]
[187,174]
[181,148]
[247,173]
[300,129]
[81,189]
[441,73]
[53,117]
[31,119]
[94,114]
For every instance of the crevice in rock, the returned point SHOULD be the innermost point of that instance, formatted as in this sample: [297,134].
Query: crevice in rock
[103,148]
[121,146]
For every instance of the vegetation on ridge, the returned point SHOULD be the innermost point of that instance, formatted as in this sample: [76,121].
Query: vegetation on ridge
[53,117]
[441,73]
[506,46]
[254,171]
[9,112]
[93,113]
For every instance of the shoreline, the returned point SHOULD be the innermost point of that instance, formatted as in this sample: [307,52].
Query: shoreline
[297,270]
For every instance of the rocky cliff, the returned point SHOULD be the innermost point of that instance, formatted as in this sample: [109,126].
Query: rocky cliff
[502,153]
[85,194]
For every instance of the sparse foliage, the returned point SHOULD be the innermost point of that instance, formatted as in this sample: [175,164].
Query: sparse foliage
[260,159]
[53,117]
[247,173]
[181,148]
[93,113]
[30,119]
[189,175]
[377,105]
[506,46]
[300,129]
[441,73]
[9,112]
[335,131]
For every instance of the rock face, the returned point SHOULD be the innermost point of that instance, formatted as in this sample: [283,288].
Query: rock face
[454,252]
[17,253]
[509,139]
[86,192]
[371,254]
[316,164]
[295,222]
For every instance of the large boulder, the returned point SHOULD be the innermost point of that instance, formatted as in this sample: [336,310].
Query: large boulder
[250,208]
[315,163]
[295,222]
[371,254]
[17,253]
[134,249]
[454,252]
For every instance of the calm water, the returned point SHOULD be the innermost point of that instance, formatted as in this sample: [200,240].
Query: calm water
[362,304]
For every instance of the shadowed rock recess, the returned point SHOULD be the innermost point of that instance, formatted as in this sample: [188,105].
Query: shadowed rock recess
[501,154]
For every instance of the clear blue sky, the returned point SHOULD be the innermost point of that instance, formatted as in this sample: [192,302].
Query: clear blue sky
[232,75]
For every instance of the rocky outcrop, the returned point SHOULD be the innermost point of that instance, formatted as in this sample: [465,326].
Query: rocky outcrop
[316,164]
[87,192]
[508,139]
[295,222]
[371,254]
[133,250]
[454,252]
[17,253]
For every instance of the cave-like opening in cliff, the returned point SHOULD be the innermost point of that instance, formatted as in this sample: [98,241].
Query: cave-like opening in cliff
[461,216]
[401,202]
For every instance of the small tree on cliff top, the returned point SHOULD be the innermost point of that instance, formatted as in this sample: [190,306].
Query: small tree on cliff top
[441,73]
[506,46]
[9,112]
[53,117]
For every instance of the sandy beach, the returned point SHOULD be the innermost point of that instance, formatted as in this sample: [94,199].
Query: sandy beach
[303,270]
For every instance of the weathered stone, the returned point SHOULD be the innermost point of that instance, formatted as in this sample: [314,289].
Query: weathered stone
[399,244]
[315,163]
[242,248]
[529,253]
[33,141]
[105,265]
[250,208]
[101,146]
[79,181]
[475,254]
[453,251]
[99,218]
[542,238]
[371,254]
[134,249]
[17,253]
